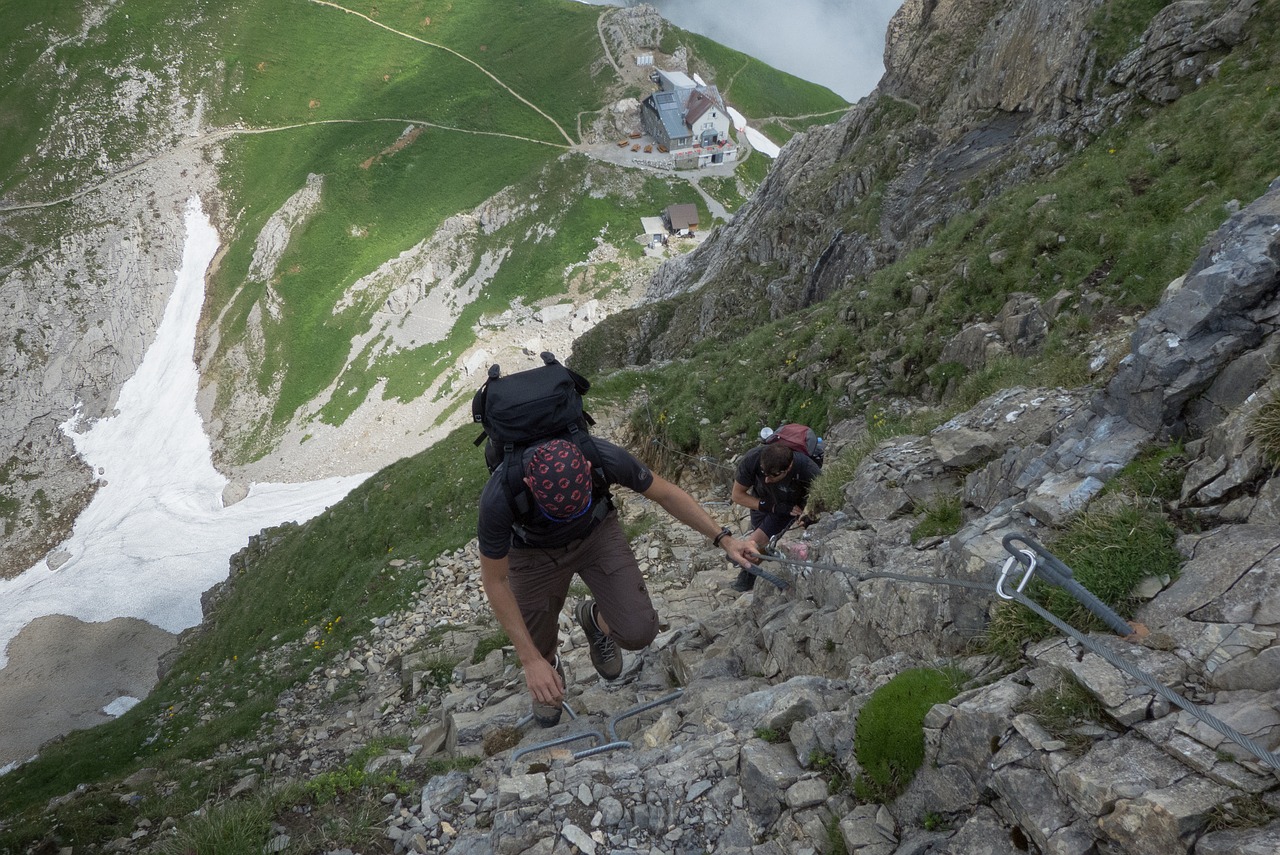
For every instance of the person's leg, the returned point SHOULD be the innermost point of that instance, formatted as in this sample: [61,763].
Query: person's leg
[623,608]
[621,612]
[763,527]
[540,582]
[767,526]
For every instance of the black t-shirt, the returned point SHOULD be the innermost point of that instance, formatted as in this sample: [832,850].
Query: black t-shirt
[497,515]
[792,491]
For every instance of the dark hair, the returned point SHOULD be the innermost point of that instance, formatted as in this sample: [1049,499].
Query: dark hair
[775,459]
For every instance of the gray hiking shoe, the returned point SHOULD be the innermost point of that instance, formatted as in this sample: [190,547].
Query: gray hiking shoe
[604,650]
[548,715]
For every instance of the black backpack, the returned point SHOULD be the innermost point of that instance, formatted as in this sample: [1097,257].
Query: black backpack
[523,409]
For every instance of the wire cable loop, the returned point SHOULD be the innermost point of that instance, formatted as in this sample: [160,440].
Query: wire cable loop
[1060,573]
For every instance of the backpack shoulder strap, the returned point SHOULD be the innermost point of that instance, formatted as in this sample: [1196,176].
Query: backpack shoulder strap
[602,498]
[513,471]
[480,398]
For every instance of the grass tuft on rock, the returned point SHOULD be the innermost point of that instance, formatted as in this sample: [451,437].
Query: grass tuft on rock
[889,740]
[1109,552]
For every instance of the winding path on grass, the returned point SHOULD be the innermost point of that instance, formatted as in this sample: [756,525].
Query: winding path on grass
[608,54]
[484,70]
[220,134]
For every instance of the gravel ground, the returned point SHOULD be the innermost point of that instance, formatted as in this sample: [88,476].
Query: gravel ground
[62,672]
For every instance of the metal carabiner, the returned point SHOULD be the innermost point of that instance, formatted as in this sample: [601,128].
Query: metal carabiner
[1008,565]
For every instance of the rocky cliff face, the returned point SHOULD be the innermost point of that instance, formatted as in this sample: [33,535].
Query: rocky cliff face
[1144,777]
[976,93]
[91,254]
[736,731]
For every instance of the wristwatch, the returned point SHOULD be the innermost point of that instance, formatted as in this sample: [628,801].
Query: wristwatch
[724,532]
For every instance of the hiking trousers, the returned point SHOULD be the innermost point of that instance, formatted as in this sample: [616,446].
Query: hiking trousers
[769,523]
[540,580]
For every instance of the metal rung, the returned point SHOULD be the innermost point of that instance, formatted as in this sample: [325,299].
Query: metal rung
[564,740]
[614,743]
[625,714]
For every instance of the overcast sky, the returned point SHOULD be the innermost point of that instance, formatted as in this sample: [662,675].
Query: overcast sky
[838,43]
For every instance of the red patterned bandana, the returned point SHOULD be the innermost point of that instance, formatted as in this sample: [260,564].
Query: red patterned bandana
[559,477]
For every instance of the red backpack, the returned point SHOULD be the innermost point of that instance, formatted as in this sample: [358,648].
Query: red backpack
[799,438]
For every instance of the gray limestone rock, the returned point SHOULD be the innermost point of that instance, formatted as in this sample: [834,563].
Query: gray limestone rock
[1244,841]
[868,830]
[1032,802]
[1218,560]
[1114,769]
[467,729]
[983,834]
[1166,820]
[766,772]
[1126,699]
[1181,346]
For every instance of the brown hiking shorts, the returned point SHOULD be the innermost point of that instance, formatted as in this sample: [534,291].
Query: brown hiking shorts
[540,581]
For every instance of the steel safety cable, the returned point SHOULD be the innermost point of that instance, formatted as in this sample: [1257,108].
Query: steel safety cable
[985,587]
[1129,668]
[1155,685]
[704,458]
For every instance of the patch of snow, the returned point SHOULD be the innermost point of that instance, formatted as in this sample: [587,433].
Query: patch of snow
[120,706]
[156,534]
[761,143]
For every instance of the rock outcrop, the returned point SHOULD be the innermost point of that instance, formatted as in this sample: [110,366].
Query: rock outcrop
[737,730]
[973,93]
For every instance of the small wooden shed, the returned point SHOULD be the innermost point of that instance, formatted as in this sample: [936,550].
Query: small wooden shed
[684,216]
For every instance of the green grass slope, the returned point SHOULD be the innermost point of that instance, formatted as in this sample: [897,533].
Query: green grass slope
[331,573]
[1121,217]
[499,109]
[307,87]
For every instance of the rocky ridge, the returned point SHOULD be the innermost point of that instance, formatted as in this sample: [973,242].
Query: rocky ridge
[705,772]
[700,776]
[976,94]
